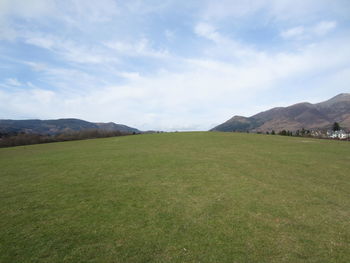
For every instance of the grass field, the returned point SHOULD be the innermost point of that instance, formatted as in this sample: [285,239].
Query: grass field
[177,197]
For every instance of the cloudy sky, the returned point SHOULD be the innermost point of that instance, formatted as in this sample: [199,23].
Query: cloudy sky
[169,64]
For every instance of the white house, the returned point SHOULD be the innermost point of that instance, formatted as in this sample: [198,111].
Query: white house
[342,135]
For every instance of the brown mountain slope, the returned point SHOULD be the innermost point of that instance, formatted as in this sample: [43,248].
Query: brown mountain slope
[302,115]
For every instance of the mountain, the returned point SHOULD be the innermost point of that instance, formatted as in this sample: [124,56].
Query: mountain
[302,115]
[59,126]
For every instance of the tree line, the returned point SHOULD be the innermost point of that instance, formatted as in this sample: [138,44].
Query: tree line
[21,138]
[301,132]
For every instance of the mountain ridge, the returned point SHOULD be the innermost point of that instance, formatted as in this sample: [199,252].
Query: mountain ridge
[294,117]
[56,126]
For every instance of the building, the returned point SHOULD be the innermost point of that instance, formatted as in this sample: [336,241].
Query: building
[341,134]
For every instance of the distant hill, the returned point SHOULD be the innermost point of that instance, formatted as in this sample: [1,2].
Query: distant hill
[59,126]
[302,115]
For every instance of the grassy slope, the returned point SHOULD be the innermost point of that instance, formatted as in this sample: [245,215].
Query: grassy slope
[182,197]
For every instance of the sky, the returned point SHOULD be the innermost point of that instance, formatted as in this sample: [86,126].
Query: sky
[169,64]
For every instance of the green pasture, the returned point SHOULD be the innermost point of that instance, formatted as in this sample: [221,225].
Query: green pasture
[176,197]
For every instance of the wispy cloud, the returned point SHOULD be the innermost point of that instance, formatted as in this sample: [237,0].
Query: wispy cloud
[141,47]
[26,9]
[303,32]
[324,27]
[13,82]
[293,32]
[70,50]
[295,11]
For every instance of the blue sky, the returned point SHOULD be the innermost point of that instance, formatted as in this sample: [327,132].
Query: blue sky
[169,65]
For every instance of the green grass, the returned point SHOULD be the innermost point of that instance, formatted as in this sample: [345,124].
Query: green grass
[177,197]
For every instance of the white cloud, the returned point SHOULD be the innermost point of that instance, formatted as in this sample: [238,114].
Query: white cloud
[295,11]
[73,10]
[44,96]
[13,82]
[324,27]
[70,50]
[293,32]
[225,47]
[229,8]
[78,14]
[141,47]
[83,14]
[129,75]
[208,31]
[26,9]
[68,81]
[140,7]
[302,32]
[43,42]
[95,53]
